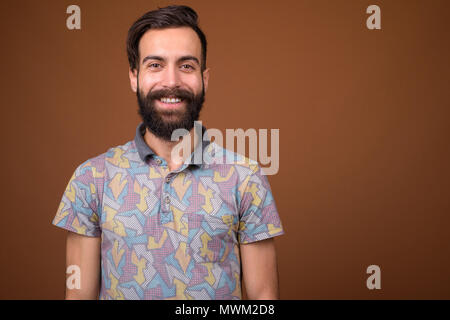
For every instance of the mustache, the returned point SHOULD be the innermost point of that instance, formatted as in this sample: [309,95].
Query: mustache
[172,93]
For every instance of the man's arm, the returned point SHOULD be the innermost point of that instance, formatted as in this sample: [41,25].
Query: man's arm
[84,252]
[259,269]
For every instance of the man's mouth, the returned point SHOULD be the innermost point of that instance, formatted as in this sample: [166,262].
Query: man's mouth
[170,100]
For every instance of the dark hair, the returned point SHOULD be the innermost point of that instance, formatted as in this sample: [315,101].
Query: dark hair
[162,18]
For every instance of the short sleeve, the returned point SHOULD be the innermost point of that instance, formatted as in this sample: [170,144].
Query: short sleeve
[78,210]
[259,217]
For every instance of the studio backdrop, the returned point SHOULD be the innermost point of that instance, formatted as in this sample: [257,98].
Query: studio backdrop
[359,91]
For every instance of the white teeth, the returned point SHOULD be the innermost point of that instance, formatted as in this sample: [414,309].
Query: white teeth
[170,100]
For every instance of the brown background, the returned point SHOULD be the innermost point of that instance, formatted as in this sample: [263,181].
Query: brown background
[363,118]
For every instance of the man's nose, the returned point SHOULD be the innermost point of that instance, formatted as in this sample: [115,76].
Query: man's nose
[171,77]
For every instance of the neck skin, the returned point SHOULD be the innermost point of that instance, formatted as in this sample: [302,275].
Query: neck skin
[164,148]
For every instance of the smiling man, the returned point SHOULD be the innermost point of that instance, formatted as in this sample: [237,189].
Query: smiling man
[145,226]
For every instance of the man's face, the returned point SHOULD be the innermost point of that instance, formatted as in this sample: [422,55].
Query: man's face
[170,85]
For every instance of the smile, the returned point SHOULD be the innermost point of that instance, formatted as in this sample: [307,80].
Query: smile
[170,100]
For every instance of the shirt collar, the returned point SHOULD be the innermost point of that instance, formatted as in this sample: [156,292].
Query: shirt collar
[145,151]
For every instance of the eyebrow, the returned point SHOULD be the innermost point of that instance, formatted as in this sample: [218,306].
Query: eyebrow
[181,59]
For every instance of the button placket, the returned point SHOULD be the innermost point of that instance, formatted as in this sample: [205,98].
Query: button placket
[165,199]
[165,194]
[165,208]
[166,188]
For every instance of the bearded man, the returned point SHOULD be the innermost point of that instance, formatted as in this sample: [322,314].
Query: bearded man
[142,225]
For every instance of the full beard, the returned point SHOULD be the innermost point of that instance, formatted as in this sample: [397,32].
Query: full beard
[163,123]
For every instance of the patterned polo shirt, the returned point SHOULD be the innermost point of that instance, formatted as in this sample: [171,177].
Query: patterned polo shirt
[169,234]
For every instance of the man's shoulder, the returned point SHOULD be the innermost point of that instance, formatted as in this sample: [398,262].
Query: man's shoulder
[119,156]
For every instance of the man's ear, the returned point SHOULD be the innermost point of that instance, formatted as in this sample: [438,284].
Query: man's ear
[205,76]
[133,74]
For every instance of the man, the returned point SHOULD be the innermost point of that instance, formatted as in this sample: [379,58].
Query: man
[145,225]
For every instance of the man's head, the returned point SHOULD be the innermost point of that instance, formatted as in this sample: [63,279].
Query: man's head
[167,55]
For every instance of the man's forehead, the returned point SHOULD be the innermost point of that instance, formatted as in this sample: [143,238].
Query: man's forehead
[170,42]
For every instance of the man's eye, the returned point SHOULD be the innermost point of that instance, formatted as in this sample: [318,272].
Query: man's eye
[154,65]
[187,66]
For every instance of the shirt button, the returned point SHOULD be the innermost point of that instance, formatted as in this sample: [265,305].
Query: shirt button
[167,200]
[158,161]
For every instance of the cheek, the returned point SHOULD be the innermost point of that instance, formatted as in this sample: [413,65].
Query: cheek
[147,83]
[194,83]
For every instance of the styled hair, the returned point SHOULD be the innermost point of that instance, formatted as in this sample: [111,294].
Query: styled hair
[162,18]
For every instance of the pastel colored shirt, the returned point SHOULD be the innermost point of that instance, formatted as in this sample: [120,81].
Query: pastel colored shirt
[169,234]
